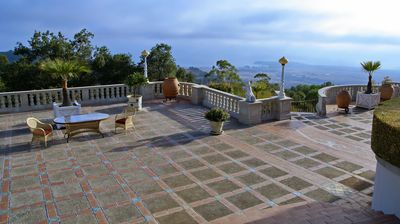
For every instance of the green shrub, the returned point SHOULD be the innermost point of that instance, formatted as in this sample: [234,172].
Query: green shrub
[385,140]
[135,80]
[217,115]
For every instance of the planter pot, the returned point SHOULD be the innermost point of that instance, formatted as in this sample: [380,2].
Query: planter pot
[65,111]
[343,100]
[368,101]
[135,101]
[386,91]
[386,196]
[170,88]
[216,127]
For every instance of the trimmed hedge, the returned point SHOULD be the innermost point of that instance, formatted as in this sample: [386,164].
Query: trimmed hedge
[385,140]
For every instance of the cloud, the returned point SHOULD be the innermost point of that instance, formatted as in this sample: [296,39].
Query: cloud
[238,29]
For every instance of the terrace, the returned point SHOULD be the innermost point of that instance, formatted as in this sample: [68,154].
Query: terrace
[309,169]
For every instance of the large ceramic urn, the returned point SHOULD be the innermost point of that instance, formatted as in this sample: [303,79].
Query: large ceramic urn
[170,88]
[343,100]
[386,91]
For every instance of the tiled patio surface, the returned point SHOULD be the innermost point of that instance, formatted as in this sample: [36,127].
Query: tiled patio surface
[169,170]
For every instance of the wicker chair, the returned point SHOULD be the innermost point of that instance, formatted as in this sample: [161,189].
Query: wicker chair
[125,119]
[40,130]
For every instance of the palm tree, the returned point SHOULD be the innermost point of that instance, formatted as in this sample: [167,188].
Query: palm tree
[370,67]
[64,70]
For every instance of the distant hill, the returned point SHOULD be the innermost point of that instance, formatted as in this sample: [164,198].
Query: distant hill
[198,73]
[299,73]
[10,56]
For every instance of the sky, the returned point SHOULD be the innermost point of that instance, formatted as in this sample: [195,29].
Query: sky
[319,32]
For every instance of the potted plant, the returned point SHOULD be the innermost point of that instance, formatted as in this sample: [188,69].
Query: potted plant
[135,81]
[368,99]
[386,89]
[64,70]
[217,117]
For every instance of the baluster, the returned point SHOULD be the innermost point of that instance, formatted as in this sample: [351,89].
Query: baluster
[9,103]
[2,105]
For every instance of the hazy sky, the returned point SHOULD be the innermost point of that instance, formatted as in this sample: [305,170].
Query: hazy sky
[333,32]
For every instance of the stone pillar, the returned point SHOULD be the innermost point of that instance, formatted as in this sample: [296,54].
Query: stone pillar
[197,95]
[147,92]
[282,111]
[250,113]
[321,106]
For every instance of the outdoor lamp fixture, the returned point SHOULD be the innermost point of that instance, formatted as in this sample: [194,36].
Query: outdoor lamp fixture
[283,61]
[145,54]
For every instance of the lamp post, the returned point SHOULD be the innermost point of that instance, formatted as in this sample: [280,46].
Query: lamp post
[283,61]
[145,54]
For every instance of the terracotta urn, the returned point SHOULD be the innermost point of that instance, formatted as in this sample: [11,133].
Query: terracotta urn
[170,88]
[343,100]
[386,92]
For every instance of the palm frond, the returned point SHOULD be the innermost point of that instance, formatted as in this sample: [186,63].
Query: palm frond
[63,69]
[370,66]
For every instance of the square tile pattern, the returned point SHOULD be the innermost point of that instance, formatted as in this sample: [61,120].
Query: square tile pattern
[169,168]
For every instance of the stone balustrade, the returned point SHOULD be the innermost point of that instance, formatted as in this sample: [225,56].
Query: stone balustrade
[248,113]
[327,95]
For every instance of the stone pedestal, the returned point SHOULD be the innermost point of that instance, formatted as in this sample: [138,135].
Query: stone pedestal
[66,111]
[386,197]
[135,101]
[283,109]
[250,113]
[368,101]
[197,95]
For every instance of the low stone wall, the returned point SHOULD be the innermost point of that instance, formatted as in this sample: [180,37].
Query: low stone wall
[327,95]
[262,110]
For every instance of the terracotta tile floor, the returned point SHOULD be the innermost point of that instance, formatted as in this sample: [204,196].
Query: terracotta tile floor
[170,170]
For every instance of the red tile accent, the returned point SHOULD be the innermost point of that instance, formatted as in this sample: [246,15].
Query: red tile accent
[92,200]
[47,194]
[6,186]
[51,210]
[101,218]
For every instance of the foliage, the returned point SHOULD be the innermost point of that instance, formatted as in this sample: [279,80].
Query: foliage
[47,45]
[224,77]
[217,115]
[111,69]
[370,67]
[305,92]
[261,87]
[160,63]
[62,69]
[22,75]
[135,80]
[385,141]
[184,76]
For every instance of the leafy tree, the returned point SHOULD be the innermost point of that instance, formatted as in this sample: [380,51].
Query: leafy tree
[22,75]
[3,60]
[160,63]
[305,92]
[64,70]
[184,75]
[110,69]
[370,67]
[225,74]
[261,87]
[135,80]
[47,45]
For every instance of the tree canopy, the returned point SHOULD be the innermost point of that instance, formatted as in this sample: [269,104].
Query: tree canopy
[160,63]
